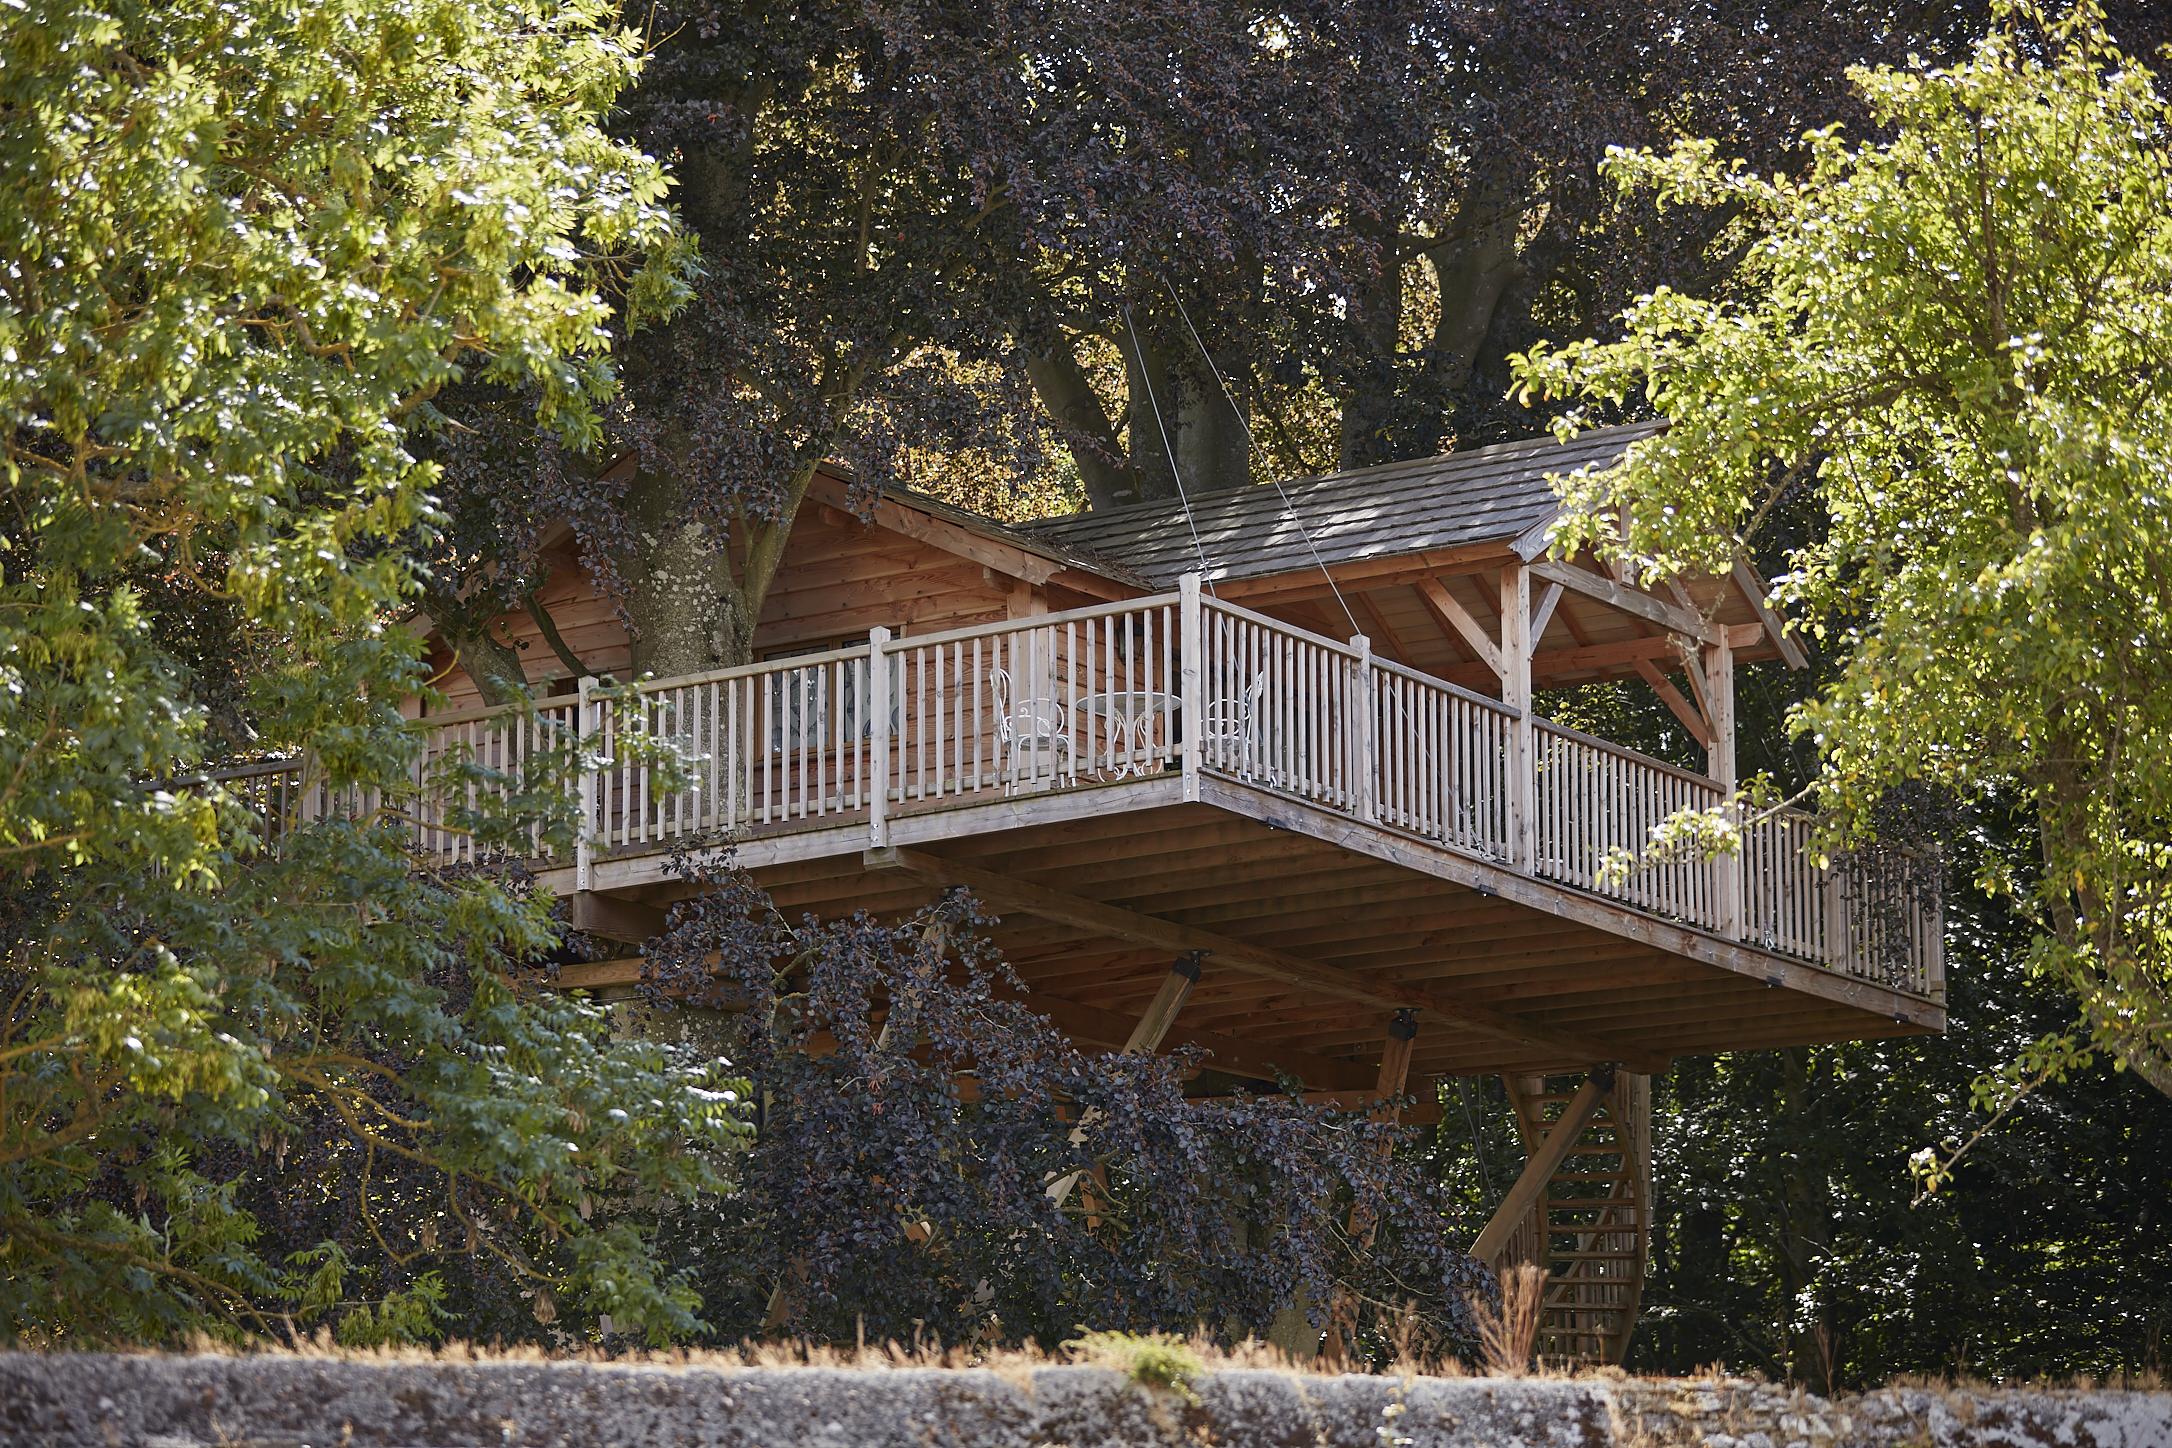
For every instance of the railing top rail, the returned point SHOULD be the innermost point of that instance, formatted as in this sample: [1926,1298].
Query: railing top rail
[491,711]
[791,662]
[258,769]
[1420,676]
[1276,625]
[1608,746]
[784,665]
[909,642]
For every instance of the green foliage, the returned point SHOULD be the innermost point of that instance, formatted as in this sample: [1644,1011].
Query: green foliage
[1790,1239]
[1788,1236]
[1952,338]
[1158,1360]
[244,247]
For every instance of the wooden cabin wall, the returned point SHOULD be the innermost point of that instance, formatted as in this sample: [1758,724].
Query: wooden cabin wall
[840,578]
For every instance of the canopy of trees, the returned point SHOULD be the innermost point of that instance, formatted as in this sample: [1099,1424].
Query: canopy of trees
[310,317]
[1951,339]
[243,248]
[1091,253]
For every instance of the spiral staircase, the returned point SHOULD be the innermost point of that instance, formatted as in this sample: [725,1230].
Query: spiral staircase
[1590,1228]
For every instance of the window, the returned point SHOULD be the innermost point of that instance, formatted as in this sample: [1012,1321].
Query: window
[800,701]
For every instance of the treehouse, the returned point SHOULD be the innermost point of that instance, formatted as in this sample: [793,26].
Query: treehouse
[1263,775]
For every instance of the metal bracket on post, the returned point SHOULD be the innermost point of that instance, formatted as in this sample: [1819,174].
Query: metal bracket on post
[584,726]
[878,729]
[1364,732]
[1191,678]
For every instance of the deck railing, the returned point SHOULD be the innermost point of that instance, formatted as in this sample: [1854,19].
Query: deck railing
[1596,801]
[1174,684]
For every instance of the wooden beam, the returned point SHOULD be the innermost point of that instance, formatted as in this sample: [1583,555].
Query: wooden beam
[1253,1060]
[1117,923]
[1382,630]
[1600,656]
[887,513]
[607,916]
[1395,1060]
[1543,615]
[1546,1158]
[1775,627]
[1390,571]
[1145,1039]
[596,974]
[1452,613]
[1699,728]
[1161,1012]
[1630,601]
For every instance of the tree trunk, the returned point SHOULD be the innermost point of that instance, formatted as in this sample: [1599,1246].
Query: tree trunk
[491,663]
[1181,427]
[688,611]
[1390,413]
[1804,1223]
[1373,404]
[1068,394]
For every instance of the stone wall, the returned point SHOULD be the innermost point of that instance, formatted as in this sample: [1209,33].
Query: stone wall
[275,1401]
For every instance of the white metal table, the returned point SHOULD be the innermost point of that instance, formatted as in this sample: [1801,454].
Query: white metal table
[1131,714]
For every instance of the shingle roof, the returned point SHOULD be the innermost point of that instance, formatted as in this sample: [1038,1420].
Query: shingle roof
[1487,494]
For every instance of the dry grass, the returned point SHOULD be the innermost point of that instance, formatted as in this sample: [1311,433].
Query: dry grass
[1508,1335]
[1512,1358]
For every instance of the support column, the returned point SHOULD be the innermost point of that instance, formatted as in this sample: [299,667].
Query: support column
[1146,1038]
[1161,1012]
[1719,694]
[878,736]
[1364,731]
[584,728]
[1395,1059]
[1191,680]
[1516,695]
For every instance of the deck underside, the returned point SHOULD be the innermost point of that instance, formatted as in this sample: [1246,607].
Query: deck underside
[1387,918]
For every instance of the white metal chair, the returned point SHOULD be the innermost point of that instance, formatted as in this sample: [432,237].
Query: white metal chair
[1028,731]
[1228,728]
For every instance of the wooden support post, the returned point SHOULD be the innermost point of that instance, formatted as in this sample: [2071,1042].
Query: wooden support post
[1515,656]
[1146,1038]
[1395,1061]
[1191,679]
[1719,693]
[1161,1012]
[1364,731]
[878,742]
[1546,1158]
[584,849]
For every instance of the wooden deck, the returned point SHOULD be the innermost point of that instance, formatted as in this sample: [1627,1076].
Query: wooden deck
[1343,836]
